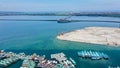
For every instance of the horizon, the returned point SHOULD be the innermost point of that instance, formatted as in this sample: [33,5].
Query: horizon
[62,11]
[56,6]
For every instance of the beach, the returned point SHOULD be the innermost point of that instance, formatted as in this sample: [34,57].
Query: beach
[95,35]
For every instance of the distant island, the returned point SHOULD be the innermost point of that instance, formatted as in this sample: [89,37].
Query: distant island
[96,35]
[106,14]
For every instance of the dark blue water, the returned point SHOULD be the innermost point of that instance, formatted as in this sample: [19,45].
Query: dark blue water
[40,37]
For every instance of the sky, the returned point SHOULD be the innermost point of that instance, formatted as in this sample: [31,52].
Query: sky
[59,5]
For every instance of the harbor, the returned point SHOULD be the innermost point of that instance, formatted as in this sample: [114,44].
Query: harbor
[58,60]
[59,33]
[40,37]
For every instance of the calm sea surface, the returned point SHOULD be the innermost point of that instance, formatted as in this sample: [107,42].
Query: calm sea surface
[40,37]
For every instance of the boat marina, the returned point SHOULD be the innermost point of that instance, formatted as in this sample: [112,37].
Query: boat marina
[58,60]
[93,55]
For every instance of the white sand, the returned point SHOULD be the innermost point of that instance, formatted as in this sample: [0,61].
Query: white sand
[95,35]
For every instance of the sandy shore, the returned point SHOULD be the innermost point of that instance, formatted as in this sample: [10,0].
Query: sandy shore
[96,35]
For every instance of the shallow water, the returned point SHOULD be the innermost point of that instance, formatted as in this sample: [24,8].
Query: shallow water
[40,37]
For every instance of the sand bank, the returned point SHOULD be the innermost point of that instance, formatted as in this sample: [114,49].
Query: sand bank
[95,35]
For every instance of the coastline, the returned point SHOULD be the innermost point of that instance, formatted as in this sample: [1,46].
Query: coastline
[94,35]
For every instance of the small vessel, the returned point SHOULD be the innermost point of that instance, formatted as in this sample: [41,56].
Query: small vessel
[80,54]
[72,61]
[63,21]
[83,54]
[105,56]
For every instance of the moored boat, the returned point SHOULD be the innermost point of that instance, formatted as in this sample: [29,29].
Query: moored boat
[93,55]
[72,61]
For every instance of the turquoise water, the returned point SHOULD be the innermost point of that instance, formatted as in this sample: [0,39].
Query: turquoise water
[40,37]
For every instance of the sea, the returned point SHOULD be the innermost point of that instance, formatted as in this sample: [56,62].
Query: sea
[40,37]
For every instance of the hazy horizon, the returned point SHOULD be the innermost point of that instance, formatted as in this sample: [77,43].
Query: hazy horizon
[62,5]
